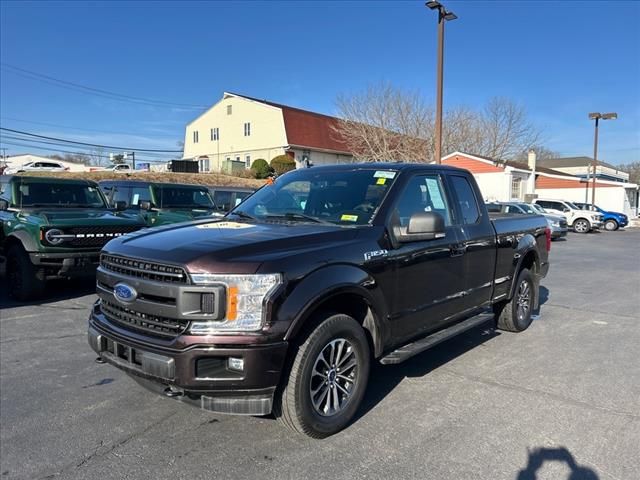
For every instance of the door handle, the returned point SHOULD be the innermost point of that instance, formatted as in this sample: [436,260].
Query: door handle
[458,250]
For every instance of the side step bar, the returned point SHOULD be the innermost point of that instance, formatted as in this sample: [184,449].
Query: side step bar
[407,351]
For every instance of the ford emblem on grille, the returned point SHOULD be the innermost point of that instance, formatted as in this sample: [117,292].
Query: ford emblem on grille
[124,293]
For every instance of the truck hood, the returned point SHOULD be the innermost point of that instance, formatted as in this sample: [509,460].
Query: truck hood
[226,246]
[81,216]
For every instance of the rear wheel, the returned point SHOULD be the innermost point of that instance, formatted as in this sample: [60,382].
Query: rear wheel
[516,314]
[611,225]
[326,379]
[24,280]
[581,226]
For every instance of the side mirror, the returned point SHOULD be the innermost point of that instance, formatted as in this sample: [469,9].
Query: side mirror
[565,210]
[121,206]
[422,226]
[4,205]
[145,205]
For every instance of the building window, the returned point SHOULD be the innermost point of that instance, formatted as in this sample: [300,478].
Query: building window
[237,158]
[215,135]
[195,136]
[247,161]
[247,129]
[516,188]
[229,110]
[228,159]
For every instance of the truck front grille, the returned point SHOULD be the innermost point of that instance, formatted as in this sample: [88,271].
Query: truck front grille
[142,269]
[142,322]
[97,236]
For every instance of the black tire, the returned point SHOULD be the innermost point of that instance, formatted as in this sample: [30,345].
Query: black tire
[611,225]
[293,404]
[509,316]
[24,280]
[581,225]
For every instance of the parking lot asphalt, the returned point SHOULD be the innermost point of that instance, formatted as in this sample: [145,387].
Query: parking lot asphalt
[559,401]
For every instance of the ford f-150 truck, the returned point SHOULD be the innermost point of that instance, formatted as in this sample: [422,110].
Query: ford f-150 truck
[284,304]
[53,228]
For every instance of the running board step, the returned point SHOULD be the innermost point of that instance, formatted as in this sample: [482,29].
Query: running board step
[407,351]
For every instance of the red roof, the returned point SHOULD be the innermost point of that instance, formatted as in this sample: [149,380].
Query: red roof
[309,129]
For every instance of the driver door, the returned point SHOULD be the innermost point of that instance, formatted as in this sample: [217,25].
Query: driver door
[429,274]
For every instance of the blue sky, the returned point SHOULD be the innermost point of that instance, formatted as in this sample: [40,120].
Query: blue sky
[560,59]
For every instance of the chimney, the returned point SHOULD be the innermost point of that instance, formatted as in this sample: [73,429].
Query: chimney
[531,159]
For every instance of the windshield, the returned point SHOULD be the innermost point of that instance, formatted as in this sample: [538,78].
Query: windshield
[571,205]
[314,195]
[538,208]
[182,197]
[59,195]
[527,208]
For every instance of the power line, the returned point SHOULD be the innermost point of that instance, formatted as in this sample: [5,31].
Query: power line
[61,144]
[89,144]
[49,149]
[77,128]
[95,91]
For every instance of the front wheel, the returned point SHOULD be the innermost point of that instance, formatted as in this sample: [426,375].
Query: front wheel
[24,280]
[581,226]
[326,380]
[610,225]
[516,314]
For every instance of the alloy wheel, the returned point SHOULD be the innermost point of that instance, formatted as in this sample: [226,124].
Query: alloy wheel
[334,377]
[523,300]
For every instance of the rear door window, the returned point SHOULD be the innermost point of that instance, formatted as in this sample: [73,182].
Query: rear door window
[467,202]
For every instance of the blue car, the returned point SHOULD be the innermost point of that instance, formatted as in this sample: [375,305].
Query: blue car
[612,220]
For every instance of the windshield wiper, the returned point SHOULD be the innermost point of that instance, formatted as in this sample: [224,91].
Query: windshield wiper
[242,214]
[301,216]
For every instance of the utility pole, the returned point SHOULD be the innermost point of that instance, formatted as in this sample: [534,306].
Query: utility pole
[596,116]
[443,15]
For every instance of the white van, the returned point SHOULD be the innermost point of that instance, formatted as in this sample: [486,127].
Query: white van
[582,221]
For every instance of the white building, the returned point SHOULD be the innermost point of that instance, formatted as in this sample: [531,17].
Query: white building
[506,181]
[582,167]
[238,130]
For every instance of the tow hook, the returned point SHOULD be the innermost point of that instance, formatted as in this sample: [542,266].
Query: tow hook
[173,392]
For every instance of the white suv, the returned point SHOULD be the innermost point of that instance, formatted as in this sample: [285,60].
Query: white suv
[582,221]
[37,167]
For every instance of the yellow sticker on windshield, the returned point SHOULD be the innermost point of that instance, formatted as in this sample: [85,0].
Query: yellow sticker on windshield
[349,218]
[381,181]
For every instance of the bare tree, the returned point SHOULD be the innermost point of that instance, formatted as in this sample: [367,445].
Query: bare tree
[633,169]
[386,123]
[98,157]
[506,129]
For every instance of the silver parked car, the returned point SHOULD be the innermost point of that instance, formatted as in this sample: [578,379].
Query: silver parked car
[557,223]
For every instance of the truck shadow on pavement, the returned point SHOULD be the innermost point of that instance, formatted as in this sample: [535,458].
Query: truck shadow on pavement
[539,456]
[56,291]
[384,378]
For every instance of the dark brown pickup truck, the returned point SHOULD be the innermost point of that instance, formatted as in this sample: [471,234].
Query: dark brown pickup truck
[283,305]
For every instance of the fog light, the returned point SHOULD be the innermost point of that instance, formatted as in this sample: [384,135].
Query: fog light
[236,364]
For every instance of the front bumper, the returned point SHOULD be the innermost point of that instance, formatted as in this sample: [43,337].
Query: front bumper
[72,264]
[596,224]
[198,374]
[558,232]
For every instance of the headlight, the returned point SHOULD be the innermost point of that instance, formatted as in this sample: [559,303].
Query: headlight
[555,224]
[245,294]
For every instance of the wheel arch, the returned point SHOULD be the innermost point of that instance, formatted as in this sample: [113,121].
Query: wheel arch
[356,295]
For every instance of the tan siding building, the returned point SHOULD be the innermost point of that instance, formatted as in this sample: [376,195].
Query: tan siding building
[239,129]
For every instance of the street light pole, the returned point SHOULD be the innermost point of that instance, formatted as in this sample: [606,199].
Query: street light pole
[443,15]
[596,116]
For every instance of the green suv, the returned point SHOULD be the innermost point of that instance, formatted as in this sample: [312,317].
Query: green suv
[54,228]
[161,203]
